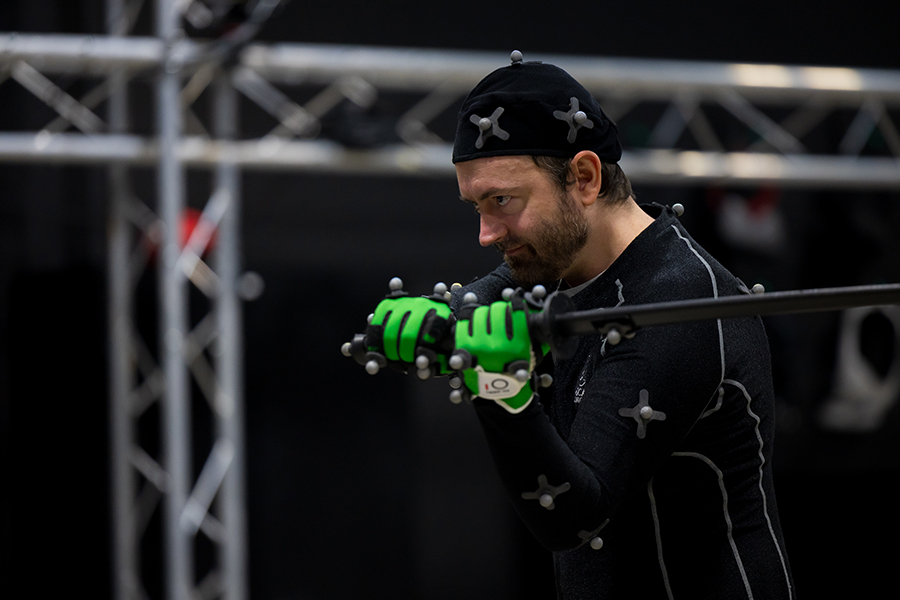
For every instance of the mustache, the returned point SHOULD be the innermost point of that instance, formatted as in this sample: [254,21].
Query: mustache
[507,243]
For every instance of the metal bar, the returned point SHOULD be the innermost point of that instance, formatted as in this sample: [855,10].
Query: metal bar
[121,358]
[415,68]
[671,167]
[775,303]
[229,401]
[425,69]
[89,54]
[770,131]
[208,483]
[125,571]
[89,101]
[889,131]
[861,128]
[173,318]
[68,107]
[746,168]
[290,115]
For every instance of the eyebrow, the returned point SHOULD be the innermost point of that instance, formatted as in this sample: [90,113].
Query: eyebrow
[489,193]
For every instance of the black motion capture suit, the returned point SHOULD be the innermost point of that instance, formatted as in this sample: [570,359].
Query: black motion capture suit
[656,451]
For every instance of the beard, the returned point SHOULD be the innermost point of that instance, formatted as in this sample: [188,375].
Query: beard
[549,250]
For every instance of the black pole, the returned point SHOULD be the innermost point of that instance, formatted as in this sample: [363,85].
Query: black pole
[558,324]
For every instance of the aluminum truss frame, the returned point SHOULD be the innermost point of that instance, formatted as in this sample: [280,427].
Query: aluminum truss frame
[210,352]
[803,97]
[208,356]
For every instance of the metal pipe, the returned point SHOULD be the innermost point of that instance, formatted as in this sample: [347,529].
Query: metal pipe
[125,572]
[629,318]
[229,400]
[658,167]
[425,69]
[173,317]
[415,68]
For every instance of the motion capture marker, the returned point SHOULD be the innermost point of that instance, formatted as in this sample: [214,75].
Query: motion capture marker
[758,288]
[345,349]
[460,360]
[545,380]
[678,209]
[516,57]
[423,374]
[575,118]
[374,362]
[369,318]
[488,126]
[642,413]
[539,292]
[456,396]
[422,362]
[455,382]
[521,375]
[613,337]
[440,288]
[470,298]
[395,284]
[592,537]
[545,494]
[507,293]
[251,286]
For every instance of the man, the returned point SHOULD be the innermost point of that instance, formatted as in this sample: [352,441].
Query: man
[646,466]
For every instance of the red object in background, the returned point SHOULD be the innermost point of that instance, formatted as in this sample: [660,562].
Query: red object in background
[190,218]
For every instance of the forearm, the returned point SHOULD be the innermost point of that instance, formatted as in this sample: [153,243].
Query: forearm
[552,490]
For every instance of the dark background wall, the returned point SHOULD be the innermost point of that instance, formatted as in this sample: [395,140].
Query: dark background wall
[378,487]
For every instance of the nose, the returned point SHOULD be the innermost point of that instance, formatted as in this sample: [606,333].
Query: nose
[492,230]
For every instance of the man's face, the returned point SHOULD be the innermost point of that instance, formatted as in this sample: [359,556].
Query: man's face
[524,214]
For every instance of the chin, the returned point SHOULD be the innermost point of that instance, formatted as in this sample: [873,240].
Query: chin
[528,275]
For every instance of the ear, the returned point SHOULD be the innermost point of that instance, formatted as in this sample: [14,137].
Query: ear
[586,170]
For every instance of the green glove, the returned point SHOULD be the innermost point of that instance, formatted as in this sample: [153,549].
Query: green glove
[407,331]
[494,352]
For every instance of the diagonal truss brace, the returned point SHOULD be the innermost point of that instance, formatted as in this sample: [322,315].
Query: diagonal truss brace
[265,72]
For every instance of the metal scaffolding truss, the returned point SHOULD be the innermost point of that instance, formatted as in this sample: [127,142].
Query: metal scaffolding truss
[681,122]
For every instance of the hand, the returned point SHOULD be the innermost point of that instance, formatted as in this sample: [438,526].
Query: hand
[494,351]
[405,331]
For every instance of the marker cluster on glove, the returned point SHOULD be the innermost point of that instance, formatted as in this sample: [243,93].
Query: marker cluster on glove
[486,349]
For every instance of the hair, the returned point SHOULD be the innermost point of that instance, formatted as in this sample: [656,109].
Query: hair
[615,188]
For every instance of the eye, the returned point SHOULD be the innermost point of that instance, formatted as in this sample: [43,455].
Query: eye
[503,200]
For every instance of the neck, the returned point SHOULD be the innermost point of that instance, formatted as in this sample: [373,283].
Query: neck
[613,228]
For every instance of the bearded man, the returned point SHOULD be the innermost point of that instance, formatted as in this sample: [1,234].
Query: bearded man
[646,466]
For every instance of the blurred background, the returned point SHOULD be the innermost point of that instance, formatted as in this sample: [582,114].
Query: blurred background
[378,487]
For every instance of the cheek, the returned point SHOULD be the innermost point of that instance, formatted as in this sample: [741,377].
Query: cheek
[520,224]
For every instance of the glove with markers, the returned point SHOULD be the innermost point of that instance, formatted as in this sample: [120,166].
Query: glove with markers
[488,349]
[494,352]
[406,331]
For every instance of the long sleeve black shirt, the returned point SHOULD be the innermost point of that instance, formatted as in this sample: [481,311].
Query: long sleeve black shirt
[672,501]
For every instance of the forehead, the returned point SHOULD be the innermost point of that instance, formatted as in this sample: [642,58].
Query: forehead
[496,173]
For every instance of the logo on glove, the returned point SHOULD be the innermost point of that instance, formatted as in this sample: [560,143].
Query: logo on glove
[497,386]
